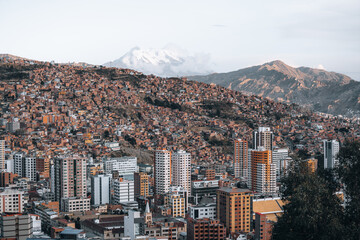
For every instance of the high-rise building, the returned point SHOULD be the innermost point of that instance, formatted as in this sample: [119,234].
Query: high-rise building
[262,171]
[25,166]
[204,229]
[278,156]
[181,169]
[234,209]
[43,166]
[70,178]
[331,149]
[100,189]
[141,184]
[19,163]
[123,191]
[162,171]
[2,155]
[263,137]
[29,168]
[240,158]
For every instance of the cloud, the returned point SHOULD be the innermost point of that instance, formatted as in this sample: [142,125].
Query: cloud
[321,67]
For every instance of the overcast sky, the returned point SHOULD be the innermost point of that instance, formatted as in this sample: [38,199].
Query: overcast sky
[235,34]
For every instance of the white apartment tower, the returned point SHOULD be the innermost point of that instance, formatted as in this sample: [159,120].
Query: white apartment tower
[25,166]
[123,191]
[331,149]
[100,189]
[263,137]
[162,171]
[181,170]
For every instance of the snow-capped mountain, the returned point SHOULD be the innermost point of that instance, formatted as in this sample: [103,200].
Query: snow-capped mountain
[166,62]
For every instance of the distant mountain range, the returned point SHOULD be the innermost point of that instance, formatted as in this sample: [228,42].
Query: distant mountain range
[166,62]
[318,89]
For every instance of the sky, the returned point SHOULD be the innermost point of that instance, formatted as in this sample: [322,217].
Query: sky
[233,33]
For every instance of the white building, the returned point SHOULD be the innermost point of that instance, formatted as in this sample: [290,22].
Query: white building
[75,204]
[278,156]
[100,189]
[263,137]
[25,166]
[12,201]
[123,191]
[18,163]
[29,168]
[123,165]
[2,154]
[181,169]
[133,225]
[263,185]
[331,149]
[203,211]
[162,171]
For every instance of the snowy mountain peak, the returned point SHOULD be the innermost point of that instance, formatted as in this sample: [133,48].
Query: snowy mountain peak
[166,62]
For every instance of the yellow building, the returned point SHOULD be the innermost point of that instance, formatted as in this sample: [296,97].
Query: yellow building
[312,164]
[177,204]
[141,184]
[234,209]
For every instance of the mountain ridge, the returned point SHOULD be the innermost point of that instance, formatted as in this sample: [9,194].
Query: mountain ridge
[323,91]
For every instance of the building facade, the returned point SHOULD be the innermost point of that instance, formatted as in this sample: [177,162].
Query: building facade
[181,169]
[331,149]
[100,189]
[234,209]
[162,171]
[240,158]
[263,137]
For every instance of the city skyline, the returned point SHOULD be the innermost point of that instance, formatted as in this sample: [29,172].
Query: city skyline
[321,34]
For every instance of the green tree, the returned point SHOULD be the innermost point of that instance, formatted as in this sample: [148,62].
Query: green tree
[349,175]
[312,210]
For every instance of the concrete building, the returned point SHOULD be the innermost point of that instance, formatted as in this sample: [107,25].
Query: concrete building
[123,191]
[203,211]
[263,137]
[141,184]
[125,166]
[16,226]
[278,157]
[100,189]
[25,166]
[331,149]
[181,169]
[162,171]
[2,155]
[234,209]
[70,179]
[177,204]
[12,201]
[133,225]
[240,158]
[75,204]
[263,227]
[262,171]
[46,215]
[204,229]
[202,189]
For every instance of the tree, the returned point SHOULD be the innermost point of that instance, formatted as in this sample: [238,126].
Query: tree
[349,175]
[312,210]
